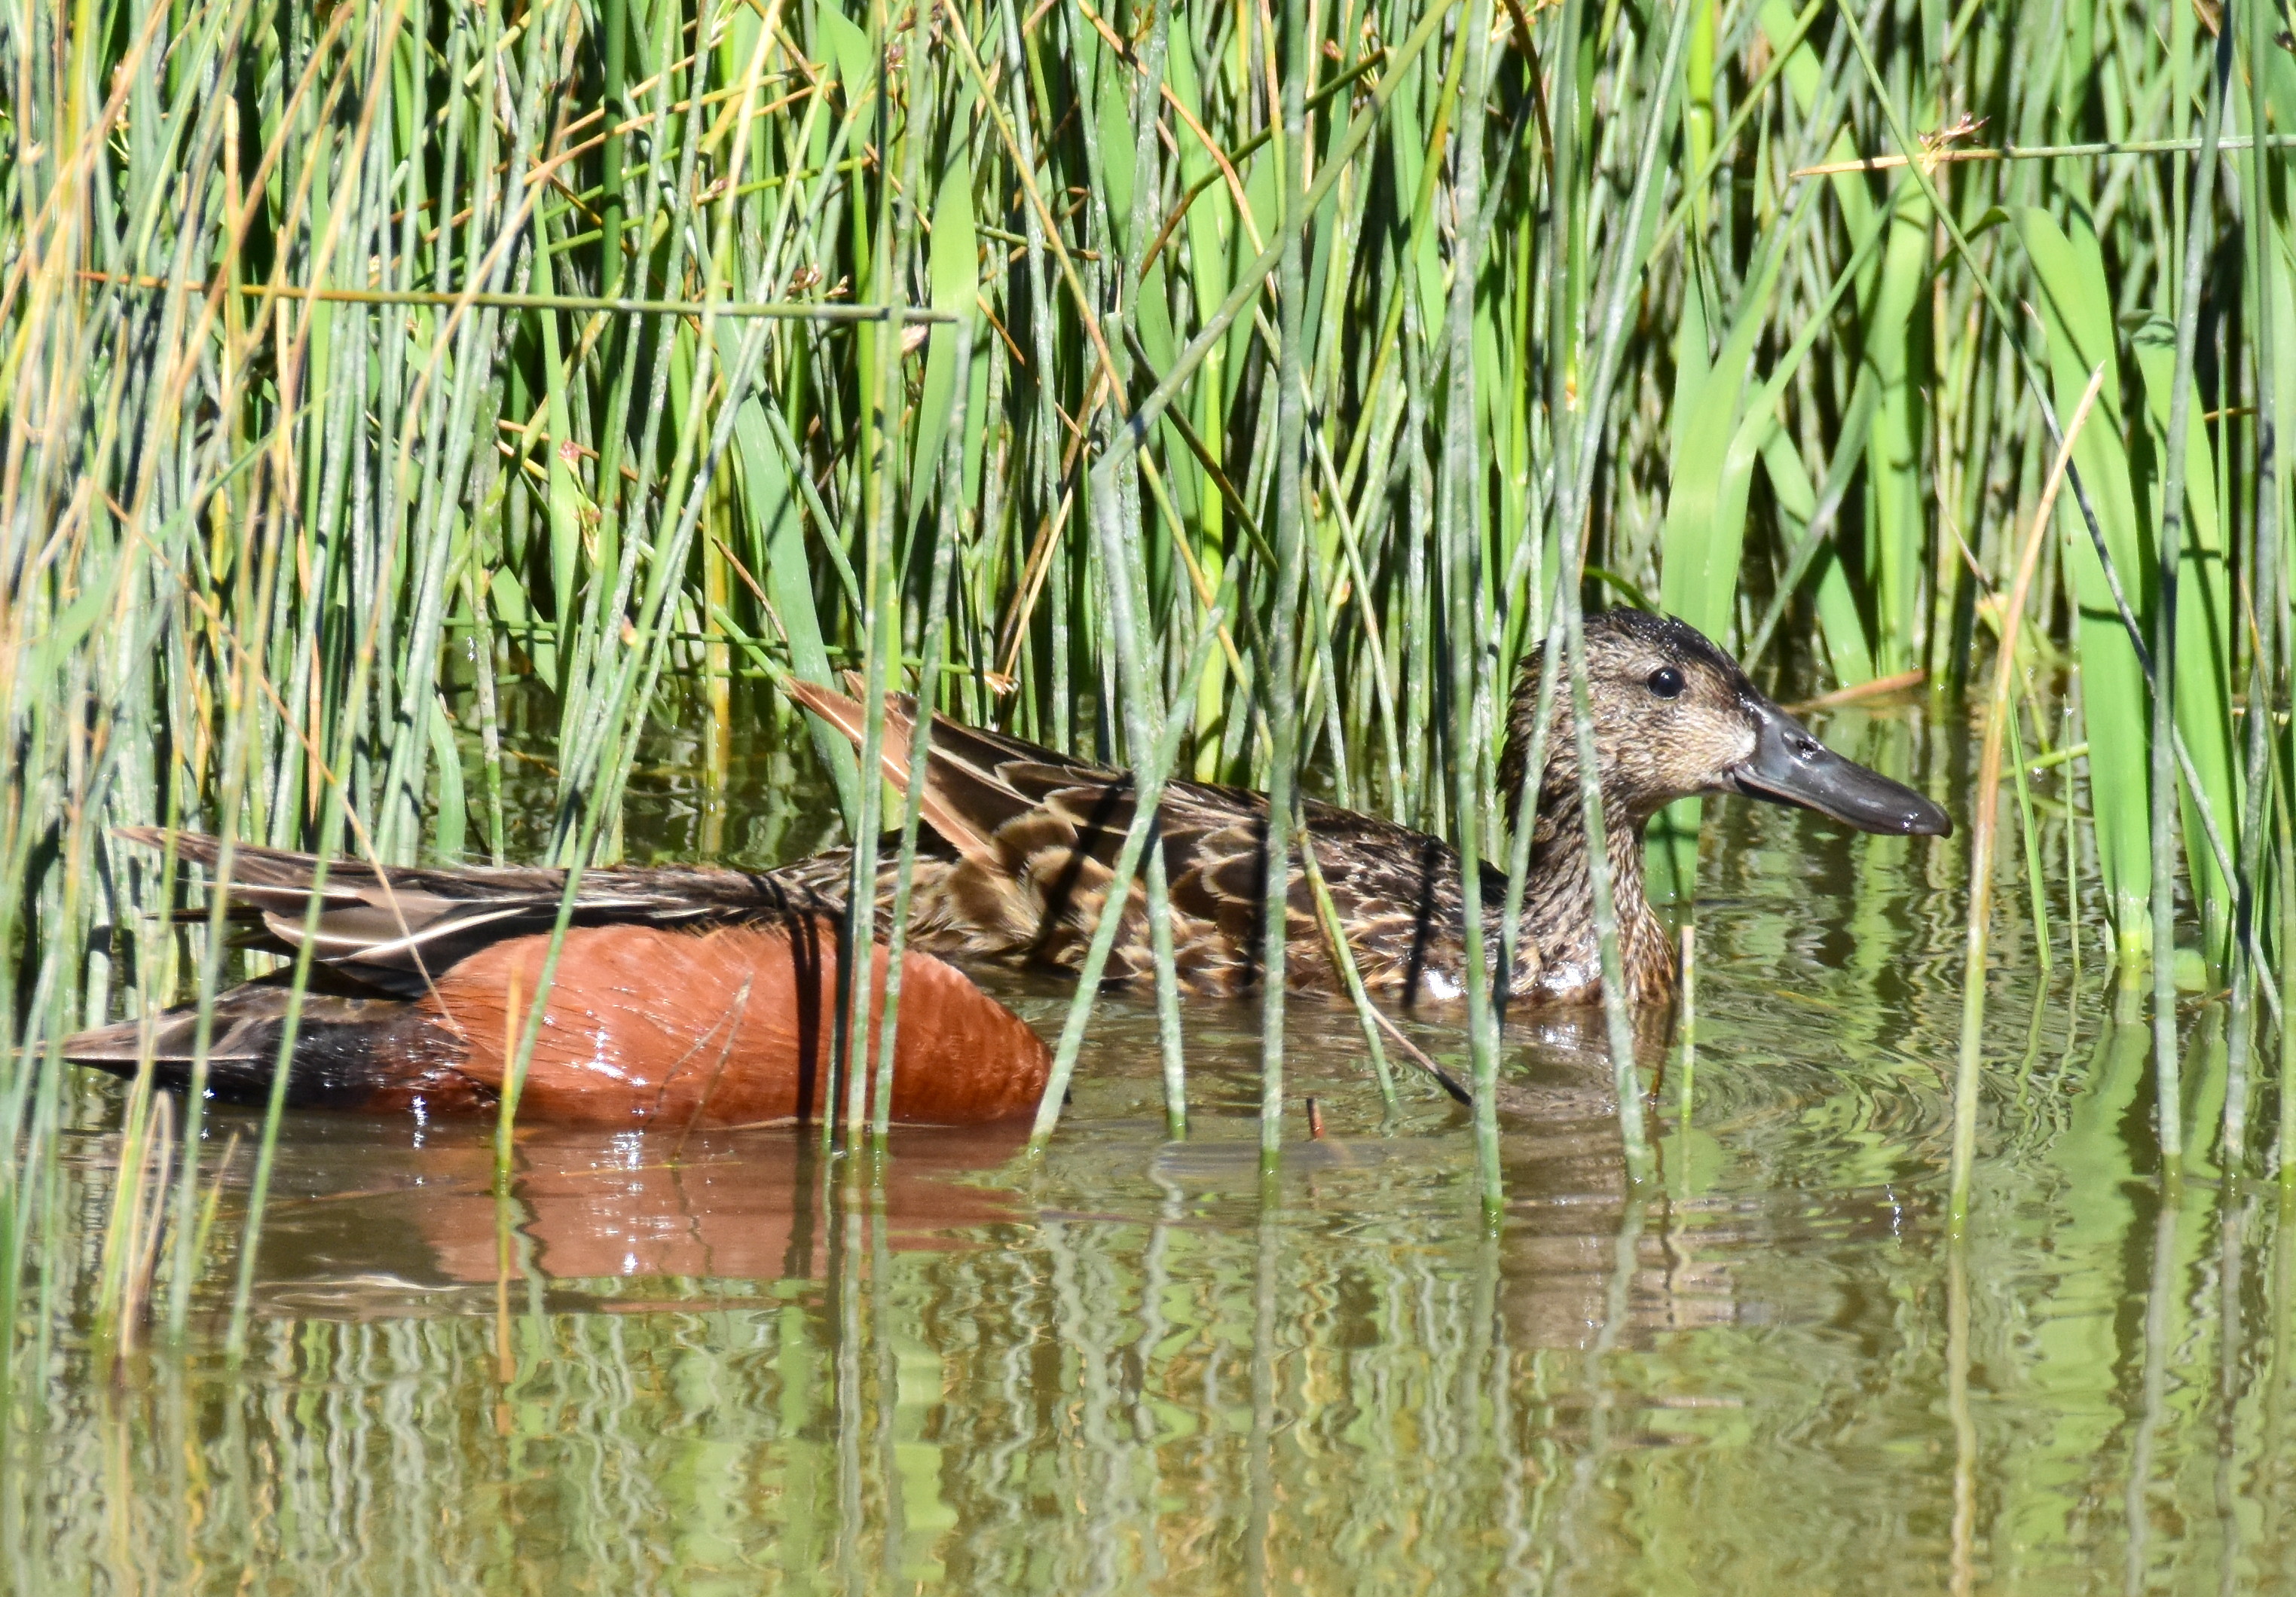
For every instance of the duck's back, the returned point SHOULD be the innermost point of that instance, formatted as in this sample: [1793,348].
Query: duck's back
[1021,852]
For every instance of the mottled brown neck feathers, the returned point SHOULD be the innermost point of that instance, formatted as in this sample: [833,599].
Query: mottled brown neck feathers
[1558,906]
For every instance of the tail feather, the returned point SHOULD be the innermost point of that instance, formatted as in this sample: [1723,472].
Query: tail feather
[350,1052]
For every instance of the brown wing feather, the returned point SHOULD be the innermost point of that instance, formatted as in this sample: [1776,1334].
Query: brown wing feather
[1038,833]
[848,715]
[981,781]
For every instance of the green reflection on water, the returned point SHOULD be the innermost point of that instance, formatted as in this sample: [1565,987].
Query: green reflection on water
[736,1366]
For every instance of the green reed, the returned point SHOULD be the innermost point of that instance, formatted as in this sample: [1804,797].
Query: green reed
[361,363]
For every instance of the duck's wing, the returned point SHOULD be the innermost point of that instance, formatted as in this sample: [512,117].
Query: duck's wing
[1037,835]
[1397,895]
[1394,892]
[963,800]
[394,928]
[986,792]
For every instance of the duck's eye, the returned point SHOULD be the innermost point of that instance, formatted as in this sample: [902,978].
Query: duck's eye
[1666,681]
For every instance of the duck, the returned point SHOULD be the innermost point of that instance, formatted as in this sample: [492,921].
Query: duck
[1016,854]
[682,998]
[706,997]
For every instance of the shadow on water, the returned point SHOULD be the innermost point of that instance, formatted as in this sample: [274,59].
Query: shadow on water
[740,1365]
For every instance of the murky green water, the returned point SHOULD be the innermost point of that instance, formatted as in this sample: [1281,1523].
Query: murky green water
[735,1365]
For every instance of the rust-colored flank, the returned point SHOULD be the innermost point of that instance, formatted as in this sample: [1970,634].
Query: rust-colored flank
[730,1027]
[681,998]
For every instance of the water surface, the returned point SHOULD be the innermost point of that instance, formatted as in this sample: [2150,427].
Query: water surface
[736,1363]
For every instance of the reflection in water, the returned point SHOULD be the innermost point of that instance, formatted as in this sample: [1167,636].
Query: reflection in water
[588,1205]
[742,1364]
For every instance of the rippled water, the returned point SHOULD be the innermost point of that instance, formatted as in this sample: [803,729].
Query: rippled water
[733,1363]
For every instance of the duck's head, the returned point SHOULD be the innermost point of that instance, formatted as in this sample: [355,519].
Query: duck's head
[1674,716]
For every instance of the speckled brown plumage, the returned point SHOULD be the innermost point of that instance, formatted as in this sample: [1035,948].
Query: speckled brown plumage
[1050,829]
[1023,840]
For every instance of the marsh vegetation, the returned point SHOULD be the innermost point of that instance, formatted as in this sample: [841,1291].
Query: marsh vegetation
[432,430]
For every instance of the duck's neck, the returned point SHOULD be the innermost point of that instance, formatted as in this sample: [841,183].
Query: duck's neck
[1558,924]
